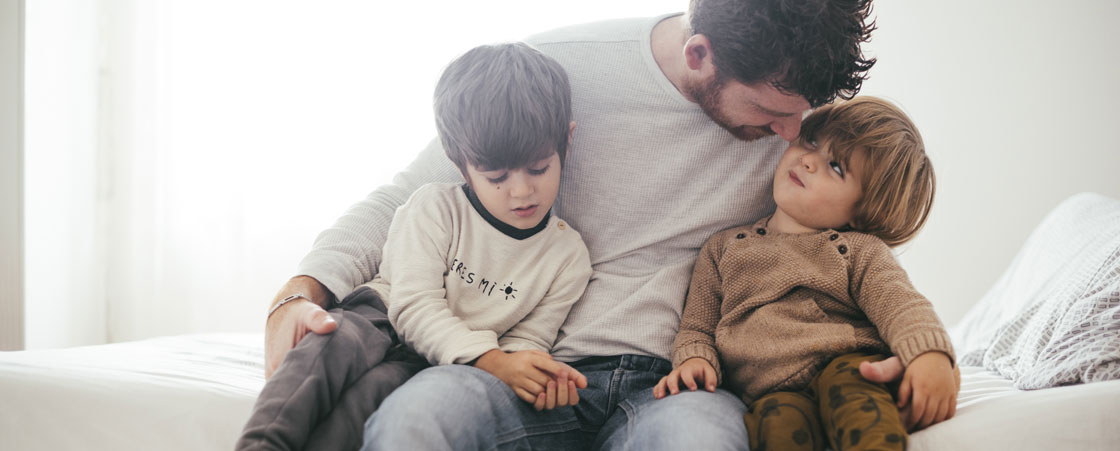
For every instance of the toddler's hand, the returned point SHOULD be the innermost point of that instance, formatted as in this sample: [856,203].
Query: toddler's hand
[558,393]
[692,372]
[529,374]
[930,387]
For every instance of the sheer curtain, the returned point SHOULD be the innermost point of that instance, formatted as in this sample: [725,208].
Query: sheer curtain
[218,137]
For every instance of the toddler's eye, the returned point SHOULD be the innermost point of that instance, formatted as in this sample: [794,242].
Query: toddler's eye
[497,180]
[836,167]
[539,171]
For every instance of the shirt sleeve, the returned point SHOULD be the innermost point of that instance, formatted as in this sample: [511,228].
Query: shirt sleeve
[696,337]
[415,262]
[904,318]
[348,253]
[539,328]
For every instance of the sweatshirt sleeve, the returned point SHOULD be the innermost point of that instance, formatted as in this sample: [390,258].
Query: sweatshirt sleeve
[348,253]
[904,318]
[696,337]
[415,263]
[539,328]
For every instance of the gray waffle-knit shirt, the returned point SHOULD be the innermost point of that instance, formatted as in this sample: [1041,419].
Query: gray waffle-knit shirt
[649,177]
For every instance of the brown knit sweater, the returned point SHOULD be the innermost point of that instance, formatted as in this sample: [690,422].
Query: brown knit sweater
[769,310]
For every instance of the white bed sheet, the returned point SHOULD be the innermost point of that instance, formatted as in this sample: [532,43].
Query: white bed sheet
[195,392]
[994,415]
[191,392]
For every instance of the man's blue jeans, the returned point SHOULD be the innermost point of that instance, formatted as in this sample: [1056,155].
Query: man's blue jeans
[462,407]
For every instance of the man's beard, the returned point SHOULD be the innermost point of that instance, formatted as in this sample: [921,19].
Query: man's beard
[707,95]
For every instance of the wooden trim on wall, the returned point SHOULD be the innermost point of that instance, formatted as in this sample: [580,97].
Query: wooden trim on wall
[11,174]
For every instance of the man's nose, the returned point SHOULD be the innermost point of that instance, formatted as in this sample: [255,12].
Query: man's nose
[788,128]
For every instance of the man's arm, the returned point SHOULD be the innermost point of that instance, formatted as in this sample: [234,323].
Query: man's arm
[346,255]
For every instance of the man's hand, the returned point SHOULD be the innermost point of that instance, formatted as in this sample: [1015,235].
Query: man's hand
[890,371]
[288,324]
[692,372]
[529,374]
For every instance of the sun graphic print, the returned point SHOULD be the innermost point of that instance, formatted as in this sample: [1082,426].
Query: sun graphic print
[509,290]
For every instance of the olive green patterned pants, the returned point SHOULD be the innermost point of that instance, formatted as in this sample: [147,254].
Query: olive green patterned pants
[839,408]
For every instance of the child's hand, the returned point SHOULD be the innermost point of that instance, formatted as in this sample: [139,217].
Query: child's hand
[692,372]
[930,387]
[529,374]
[558,393]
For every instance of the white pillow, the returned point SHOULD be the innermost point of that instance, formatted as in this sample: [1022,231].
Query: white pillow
[1053,318]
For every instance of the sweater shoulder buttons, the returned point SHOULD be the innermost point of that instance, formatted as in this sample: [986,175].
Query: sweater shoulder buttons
[843,249]
[560,225]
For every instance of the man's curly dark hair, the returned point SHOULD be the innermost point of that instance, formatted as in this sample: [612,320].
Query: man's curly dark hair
[807,47]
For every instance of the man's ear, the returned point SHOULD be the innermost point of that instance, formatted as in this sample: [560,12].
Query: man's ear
[698,56]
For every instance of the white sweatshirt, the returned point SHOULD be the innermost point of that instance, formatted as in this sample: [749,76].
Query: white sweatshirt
[457,286]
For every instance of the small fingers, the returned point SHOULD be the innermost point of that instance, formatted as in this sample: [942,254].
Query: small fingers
[904,394]
[550,398]
[562,385]
[710,378]
[674,377]
[689,381]
[525,395]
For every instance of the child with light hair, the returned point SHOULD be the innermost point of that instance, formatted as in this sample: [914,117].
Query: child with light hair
[786,310]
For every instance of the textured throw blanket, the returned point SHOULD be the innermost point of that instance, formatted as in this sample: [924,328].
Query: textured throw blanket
[1053,318]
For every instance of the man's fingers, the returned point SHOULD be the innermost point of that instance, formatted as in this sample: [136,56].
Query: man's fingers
[317,320]
[573,394]
[883,372]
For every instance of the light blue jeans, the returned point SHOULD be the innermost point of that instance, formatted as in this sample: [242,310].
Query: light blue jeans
[462,407]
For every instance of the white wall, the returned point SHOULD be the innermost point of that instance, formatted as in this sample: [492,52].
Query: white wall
[11,175]
[65,263]
[1017,102]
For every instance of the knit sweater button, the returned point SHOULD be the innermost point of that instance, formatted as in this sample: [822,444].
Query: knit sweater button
[843,249]
[833,237]
[761,231]
[741,236]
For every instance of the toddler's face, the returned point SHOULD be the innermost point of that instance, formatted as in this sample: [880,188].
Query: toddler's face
[814,189]
[518,197]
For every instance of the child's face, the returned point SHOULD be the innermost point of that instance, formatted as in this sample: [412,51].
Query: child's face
[518,197]
[815,190]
